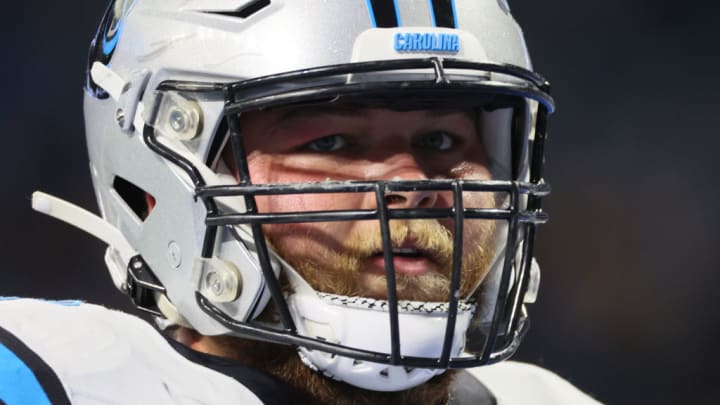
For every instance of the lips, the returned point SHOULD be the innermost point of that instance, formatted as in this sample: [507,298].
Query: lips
[408,259]
[407,252]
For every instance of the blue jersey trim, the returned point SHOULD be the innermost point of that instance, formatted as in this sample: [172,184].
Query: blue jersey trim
[65,303]
[18,382]
[25,378]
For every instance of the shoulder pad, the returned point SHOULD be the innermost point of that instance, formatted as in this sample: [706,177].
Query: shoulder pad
[105,356]
[539,386]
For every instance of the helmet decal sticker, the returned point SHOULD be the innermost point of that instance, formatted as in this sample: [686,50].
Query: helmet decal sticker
[427,41]
[112,28]
[105,41]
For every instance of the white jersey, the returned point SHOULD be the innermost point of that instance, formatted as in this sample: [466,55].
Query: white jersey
[69,352]
[101,356]
[512,382]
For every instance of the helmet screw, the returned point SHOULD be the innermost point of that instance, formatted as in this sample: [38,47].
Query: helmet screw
[174,254]
[220,281]
[215,283]
[178,120]
[120,117]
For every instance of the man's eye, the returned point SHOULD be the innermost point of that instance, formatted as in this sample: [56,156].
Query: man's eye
[436,141]
[328,143]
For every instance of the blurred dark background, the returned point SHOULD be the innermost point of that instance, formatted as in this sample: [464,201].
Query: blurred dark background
[628,303]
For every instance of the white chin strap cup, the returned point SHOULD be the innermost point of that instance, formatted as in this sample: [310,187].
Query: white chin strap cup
[363,323]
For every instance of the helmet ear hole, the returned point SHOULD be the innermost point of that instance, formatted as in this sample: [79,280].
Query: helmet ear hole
[138,200]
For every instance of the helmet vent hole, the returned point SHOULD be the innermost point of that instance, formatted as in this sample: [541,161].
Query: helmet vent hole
[246,10]
[137,199]
[385,372]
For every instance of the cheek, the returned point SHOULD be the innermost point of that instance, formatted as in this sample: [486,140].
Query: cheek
[300,240]
[481,200]
[267,169]
[474,165]
[309,202]
[318,243]
[272,169]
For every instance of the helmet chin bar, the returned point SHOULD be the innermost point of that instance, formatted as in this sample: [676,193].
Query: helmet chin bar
[447,81]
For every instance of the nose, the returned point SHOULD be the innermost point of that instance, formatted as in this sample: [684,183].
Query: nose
[397,164]
[411,199]
[404,167]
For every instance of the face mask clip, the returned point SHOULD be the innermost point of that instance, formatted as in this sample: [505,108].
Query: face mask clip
[218,280]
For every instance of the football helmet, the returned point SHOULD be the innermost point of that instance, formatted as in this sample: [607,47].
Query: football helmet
[167,83]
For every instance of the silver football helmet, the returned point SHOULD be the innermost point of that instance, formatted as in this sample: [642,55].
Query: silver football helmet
[167,82]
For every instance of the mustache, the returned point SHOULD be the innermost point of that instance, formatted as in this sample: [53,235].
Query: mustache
[428,237]
[340,266]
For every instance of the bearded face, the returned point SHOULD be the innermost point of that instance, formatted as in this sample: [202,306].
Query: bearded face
[347,258]
[355,266]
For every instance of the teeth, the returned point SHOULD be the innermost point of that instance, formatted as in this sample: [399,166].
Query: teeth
[406,251]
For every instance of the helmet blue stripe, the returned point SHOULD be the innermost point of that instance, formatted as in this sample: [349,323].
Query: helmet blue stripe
[443,13]
[371,12]
[432,12]
[454,12]
[397,13]
[383,13]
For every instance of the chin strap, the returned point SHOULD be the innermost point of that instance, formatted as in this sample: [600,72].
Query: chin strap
[121,251]
[127,269]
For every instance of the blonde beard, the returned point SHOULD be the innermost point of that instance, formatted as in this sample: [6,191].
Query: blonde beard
[284,364]
[338,268]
